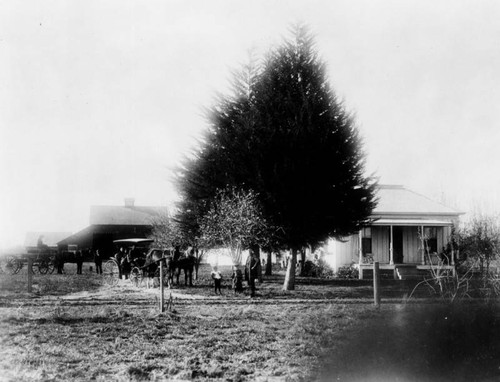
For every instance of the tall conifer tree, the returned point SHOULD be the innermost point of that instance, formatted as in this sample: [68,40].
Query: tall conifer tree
[287,137]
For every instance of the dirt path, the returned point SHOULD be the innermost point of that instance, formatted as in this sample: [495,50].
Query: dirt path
[123,293]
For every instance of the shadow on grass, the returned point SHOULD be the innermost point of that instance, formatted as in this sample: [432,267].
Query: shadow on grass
[420,343]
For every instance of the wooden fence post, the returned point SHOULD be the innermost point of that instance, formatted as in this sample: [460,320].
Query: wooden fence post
[162,302]
[30,274]
[376,284]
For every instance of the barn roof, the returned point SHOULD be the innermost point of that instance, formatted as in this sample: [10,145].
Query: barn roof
[125,215]
[397,200]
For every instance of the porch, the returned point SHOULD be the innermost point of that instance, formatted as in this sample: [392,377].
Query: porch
[409,248]
[405,271]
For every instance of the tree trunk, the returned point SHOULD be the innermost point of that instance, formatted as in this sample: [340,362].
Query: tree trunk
[290,271]
[196,267]
[260,263]
[269,264]
[196,263]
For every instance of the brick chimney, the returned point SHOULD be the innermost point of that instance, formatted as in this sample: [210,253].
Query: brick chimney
[129,202]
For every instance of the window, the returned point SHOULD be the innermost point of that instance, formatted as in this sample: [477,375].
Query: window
[366,241]
[430,239]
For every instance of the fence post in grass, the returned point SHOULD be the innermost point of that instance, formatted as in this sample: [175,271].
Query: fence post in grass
[162,303]
[30,274]
[376,284]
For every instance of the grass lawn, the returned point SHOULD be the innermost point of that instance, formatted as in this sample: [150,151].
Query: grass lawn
[81,328]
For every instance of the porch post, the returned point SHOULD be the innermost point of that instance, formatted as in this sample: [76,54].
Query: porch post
[422,244]
[360,253]
[391,250]
[452,262]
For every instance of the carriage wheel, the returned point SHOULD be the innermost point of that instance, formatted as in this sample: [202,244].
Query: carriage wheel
[51,265]
[110,272]
[136,276]
[44,267]
[110,268]
[12,265]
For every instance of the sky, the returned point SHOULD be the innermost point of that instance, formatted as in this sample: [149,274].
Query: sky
[99,100]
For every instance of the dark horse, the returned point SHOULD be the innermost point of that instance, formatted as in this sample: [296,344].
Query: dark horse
[184,263]
[151,267]
[61,258]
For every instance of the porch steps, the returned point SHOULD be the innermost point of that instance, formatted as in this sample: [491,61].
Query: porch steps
[408,272]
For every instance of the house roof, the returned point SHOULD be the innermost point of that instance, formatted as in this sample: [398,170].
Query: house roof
[49,238]
[397,200]
[125,215]
[413,222]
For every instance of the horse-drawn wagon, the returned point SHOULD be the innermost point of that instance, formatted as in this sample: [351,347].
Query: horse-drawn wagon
[43,261]
[139,261]
[130,264]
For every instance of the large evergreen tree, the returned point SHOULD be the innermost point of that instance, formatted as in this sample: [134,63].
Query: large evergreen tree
[286,136]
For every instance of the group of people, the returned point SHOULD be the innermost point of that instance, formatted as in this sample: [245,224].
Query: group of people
[126,260]
[253,273]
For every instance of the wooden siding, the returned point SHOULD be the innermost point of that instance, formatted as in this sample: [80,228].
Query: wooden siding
[342,253]
[348,251]
[380,244]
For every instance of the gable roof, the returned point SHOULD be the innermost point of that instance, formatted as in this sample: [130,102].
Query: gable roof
[124,215]
[49,238]
[397,200]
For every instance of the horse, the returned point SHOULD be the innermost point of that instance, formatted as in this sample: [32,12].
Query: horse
[184,263]
[63,257]
[150,269]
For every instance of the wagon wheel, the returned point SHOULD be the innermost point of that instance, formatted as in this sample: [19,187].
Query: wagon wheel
[136,276]
[51,263]
[45,266]
[13,265]
[110,272]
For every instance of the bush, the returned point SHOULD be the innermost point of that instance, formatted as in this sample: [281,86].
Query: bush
[323,270]
[348,272]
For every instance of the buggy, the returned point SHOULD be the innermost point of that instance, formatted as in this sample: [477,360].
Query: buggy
[43,261]
[130,266]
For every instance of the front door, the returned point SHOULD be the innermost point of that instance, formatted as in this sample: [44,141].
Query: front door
[397,244]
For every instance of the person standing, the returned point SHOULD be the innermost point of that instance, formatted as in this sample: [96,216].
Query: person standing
[252,270]
[237,280]
[126,264]
[41,245]
[119,256]
[98,262]
[135,256]
[79,262]
[217,277]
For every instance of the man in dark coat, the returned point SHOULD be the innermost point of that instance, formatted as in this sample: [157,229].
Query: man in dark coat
[98,262]
[119,256]
[79,262]
[253,270]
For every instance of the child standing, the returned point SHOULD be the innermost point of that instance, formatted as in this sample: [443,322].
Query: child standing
[237,280]
[217,277]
